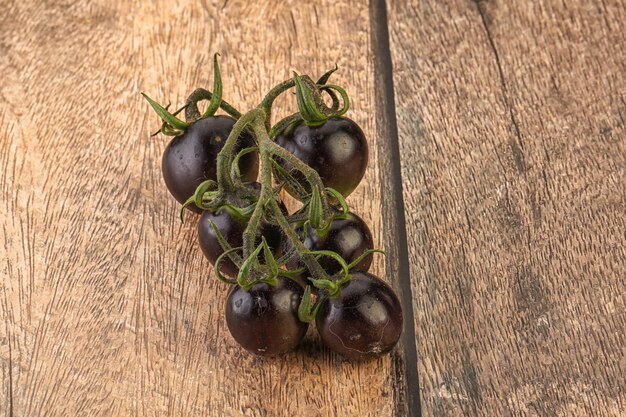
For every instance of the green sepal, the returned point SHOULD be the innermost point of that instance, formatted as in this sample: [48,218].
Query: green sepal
[292,184]
[191,200]
[330,287]
[270,262]
[324,78]
[199,94]
[305,230]
[291,126]
[333,97]
[363,255]
[226,246]
[244,270]
[168,130]
[234,170]
[306,312]
[242,212]
[216,99]
[165,128]
[292,273]
[218,262]
[335,256]
[310,102]
[340,199]
[344,96]
[316,210]
[198,197]
[285,126]
[171,120]
[200,190]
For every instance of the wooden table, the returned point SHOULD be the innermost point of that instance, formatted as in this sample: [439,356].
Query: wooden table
[497,186]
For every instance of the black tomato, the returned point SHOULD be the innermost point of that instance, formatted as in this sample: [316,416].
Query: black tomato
[190,158]
[337,150]
[349,238]
[232,225]
[265,320]
[364,322]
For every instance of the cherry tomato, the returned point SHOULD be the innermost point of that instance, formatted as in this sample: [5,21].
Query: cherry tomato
[232,225]
[364,322]
[265,320]
[337,150]
[190,158]
[349,238]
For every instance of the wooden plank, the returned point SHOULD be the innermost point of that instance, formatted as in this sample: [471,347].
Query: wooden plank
[394,218]
[106,303]
[512,135]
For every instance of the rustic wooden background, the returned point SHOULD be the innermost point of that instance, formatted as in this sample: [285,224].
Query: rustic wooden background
[497,184]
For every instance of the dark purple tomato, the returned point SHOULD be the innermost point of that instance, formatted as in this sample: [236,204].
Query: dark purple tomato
[349,237]
[364,322]
[190,158]
[337,150]
[232,225]
[265,320]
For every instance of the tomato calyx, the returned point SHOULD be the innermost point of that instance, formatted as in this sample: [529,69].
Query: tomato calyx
[312,108]
[251,270]
[329,288]
[307,311]
[332,286]
[285,126]
[246,279]
[208,197]
[174,126]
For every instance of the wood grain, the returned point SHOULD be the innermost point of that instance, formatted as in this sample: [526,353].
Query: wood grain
[106,303]
[512,176]
[511,119]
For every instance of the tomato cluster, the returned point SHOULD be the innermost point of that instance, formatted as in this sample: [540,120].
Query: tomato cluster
[286,270]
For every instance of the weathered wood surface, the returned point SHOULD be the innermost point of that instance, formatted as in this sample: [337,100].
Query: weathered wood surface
[511,119]
[513,163]
[106,304]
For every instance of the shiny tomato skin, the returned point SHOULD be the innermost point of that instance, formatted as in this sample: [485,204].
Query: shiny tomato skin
[364,322]
[349,237]
[231,225]
[190,158]
[337,150]
[265,320]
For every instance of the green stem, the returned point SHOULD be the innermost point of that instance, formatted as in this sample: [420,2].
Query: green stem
[225,157]
[257,120]
[309,173]
[192,113]
[309,260]
[249,235]
[266,198]
[267,102]
[285,125]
